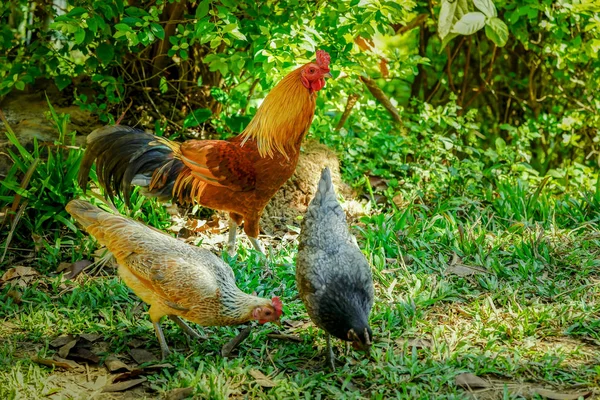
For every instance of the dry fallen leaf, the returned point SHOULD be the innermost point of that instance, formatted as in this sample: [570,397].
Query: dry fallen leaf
[61,340]
[135,343]
[126,376]
[465,270]
[457,268]
[179,393]
[416,342]
[262,379]
[15,295]
[90,337]
[470,381]
[552,395]
[142,356]
[66,348]
[293,324]
[285,336]
[76,268]
[121,386]
[113,364]
[56,362]
[18,272]
[84,354]
[101,381]
[132,373]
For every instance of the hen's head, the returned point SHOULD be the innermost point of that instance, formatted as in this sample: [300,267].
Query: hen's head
[313,74]
[268,312]
[361,338]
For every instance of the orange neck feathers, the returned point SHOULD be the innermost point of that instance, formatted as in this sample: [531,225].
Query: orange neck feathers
[283,118]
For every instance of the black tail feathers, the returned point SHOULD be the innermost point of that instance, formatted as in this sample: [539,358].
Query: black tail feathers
[125,155]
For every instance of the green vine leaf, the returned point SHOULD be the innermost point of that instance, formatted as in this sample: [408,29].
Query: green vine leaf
[486,7]
[497,31]
[469,23]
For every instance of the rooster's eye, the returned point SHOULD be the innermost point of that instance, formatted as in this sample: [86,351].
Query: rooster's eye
[312,70]
[267,313]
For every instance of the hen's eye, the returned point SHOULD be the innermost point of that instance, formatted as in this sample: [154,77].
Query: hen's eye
[267,313]
[312,70]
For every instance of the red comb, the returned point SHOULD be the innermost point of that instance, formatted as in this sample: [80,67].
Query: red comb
[277,305]
[323,59]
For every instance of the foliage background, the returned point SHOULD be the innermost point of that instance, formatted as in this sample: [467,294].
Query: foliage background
[471,126]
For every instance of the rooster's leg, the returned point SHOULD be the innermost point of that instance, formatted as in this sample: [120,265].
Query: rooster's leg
[257,245]
[252,230]
[232,236]
[161,340]
[330,356]
[186,328]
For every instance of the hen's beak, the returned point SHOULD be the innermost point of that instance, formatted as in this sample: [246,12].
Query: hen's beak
[328,75]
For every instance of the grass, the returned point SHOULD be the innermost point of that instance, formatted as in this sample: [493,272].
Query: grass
[502,283]
[525,315]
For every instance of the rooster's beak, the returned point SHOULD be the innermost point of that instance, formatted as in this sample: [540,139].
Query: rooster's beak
[328,75]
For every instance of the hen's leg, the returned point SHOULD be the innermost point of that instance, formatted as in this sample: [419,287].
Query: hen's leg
[231,250]
[186,328]
[161,340]
[330,356]
[155,316]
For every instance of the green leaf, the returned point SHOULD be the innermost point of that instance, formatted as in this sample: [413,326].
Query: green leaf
[215,43]
[62,81]
[202,9]
[20,85]
[497,31]
[163,86]
[183,54]
[105,52]
[157,30]
[446,17]
[447,40]
[487,7]
[500,144]
[79,36]
[238,123]
[76,12]
[197,117]
[469,23]
[92,23]
[122,27]
[91,63]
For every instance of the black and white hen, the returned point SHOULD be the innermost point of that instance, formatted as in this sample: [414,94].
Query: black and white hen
[333,276]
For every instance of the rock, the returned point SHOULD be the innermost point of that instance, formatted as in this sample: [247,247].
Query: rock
[27,113]
[294,196]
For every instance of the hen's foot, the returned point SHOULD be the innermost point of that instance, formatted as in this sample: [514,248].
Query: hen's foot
[330,358]
[164,349]
[186,328]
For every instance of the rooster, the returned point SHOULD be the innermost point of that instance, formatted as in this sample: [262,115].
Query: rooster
[239,175]
[176,279]
[333,277]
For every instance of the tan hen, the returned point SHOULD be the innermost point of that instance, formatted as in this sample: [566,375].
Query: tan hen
[174,278]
